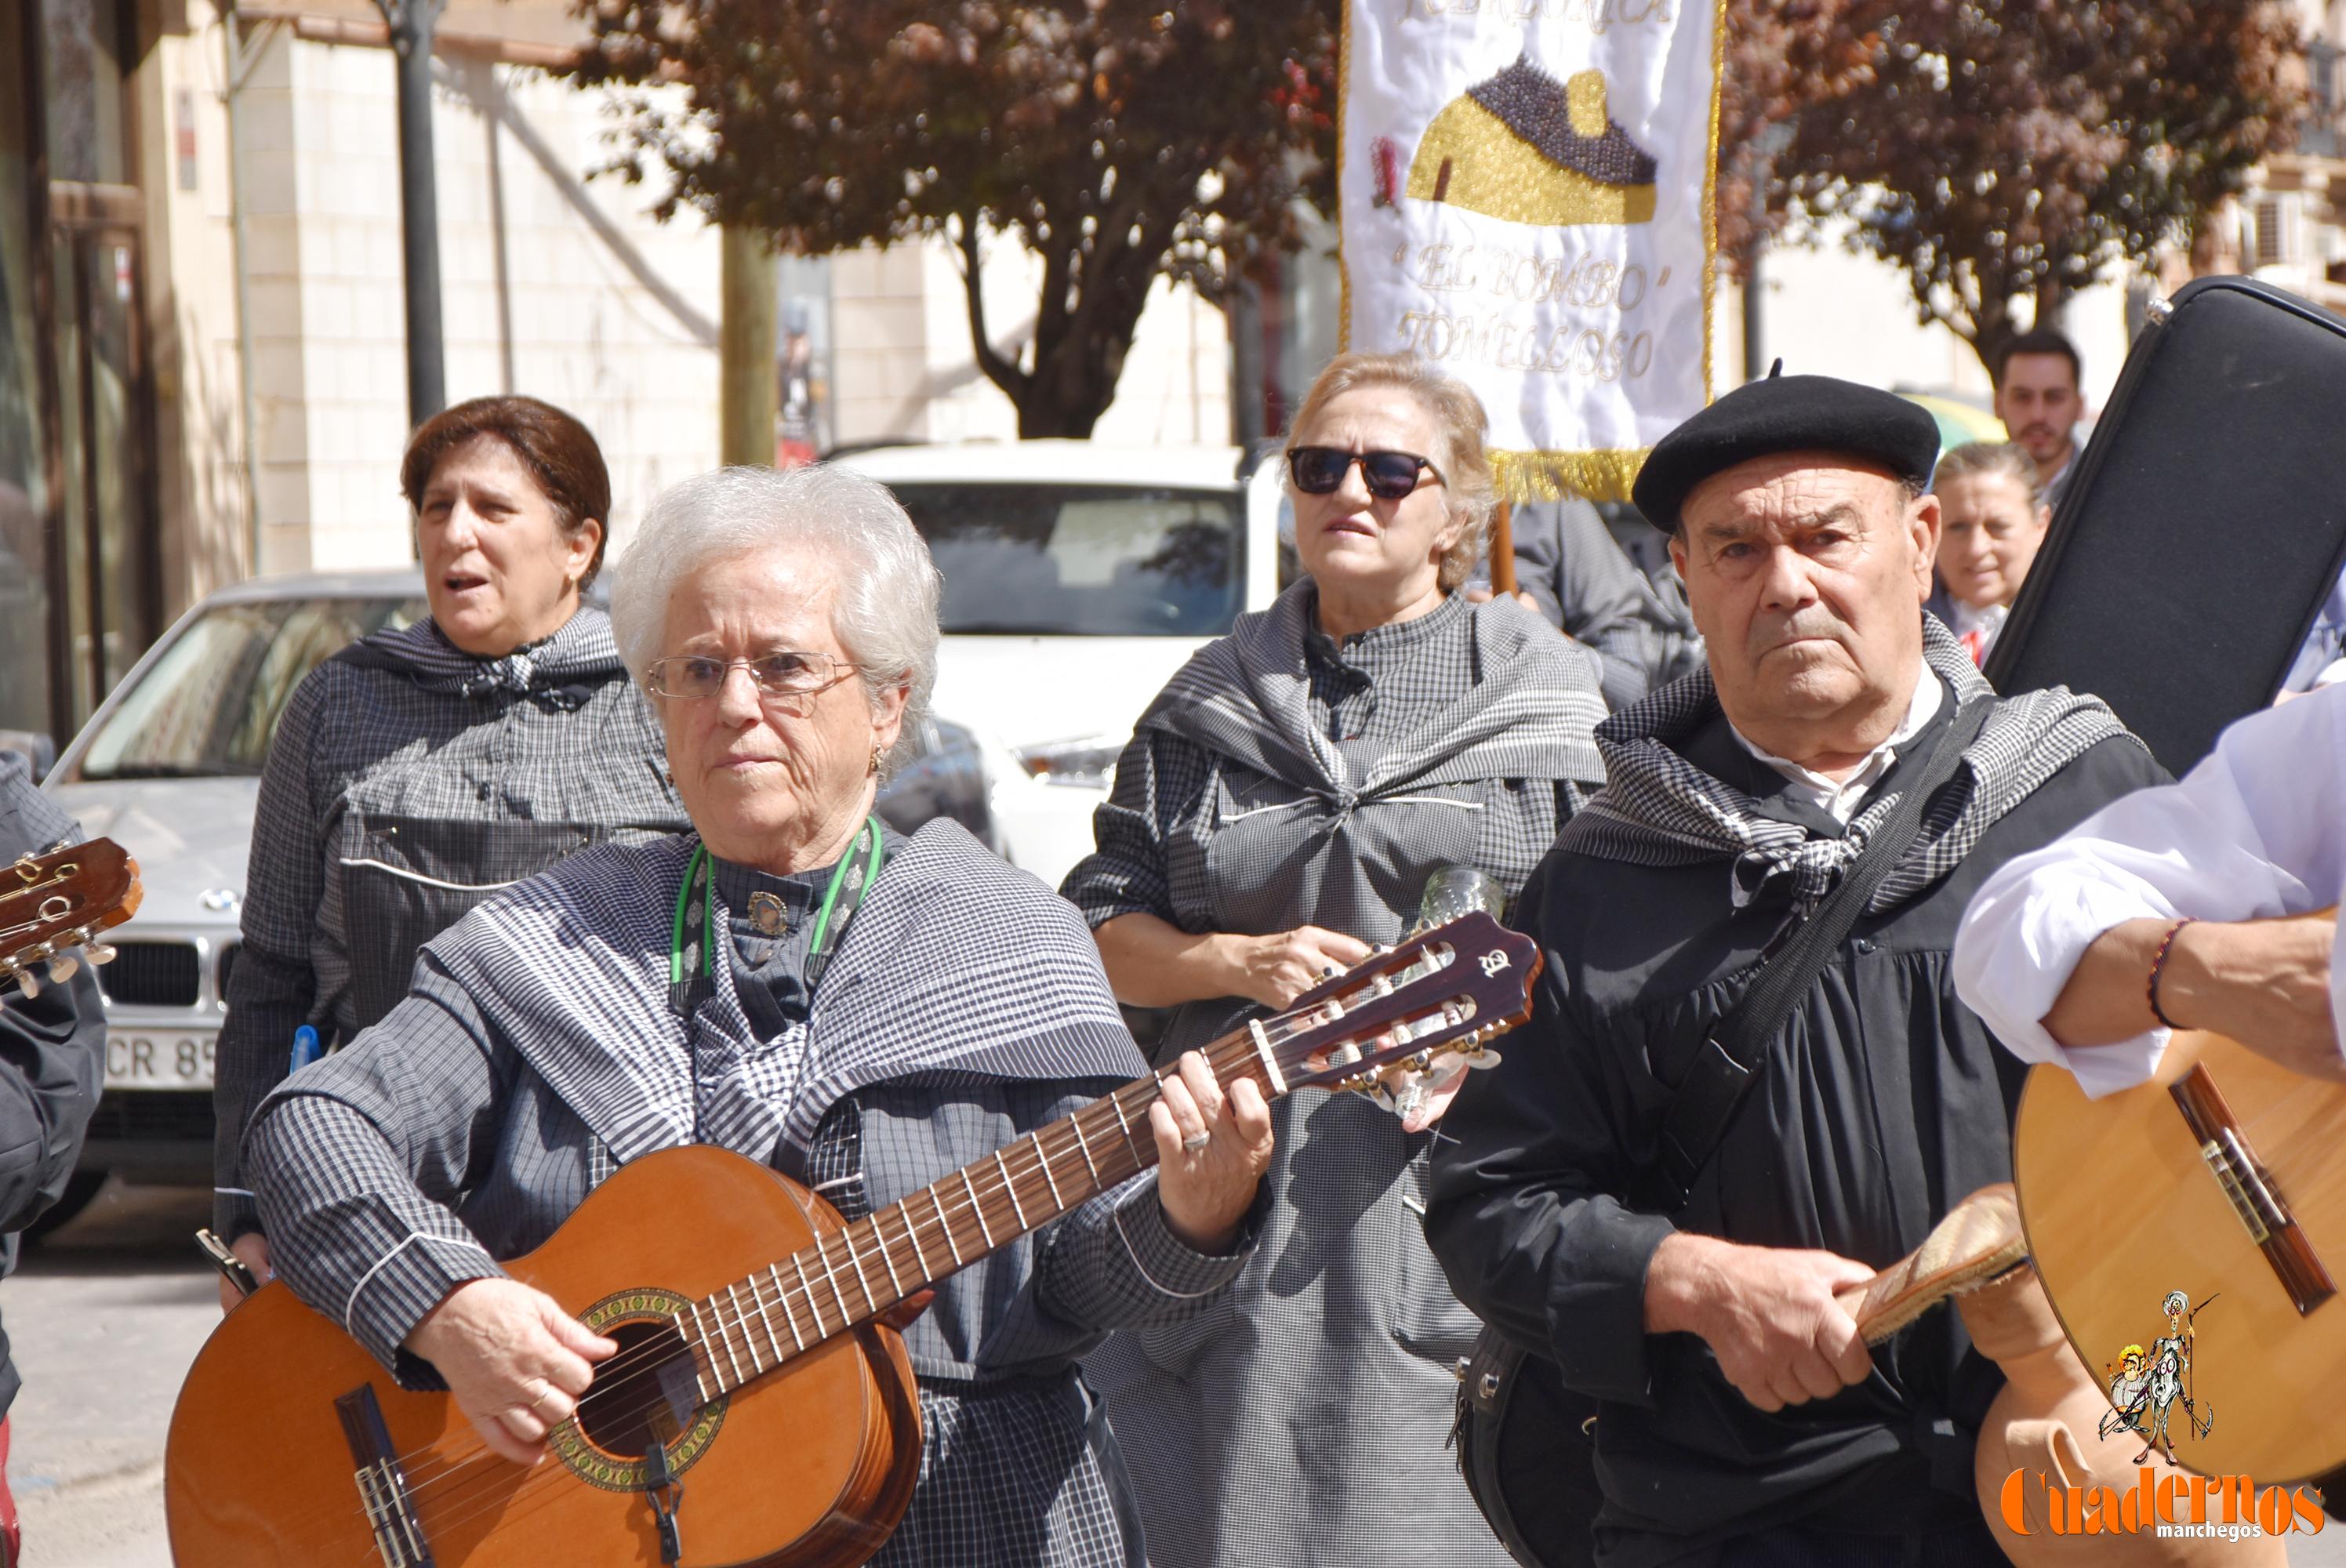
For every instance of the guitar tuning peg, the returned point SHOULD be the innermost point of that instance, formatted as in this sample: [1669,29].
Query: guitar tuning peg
[1482,1058]
[101,952]
[27,983]
[64,967]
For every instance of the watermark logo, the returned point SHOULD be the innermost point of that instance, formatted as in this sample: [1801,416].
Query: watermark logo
[2169,1505]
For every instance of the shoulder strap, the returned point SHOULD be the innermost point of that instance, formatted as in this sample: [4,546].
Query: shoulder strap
[1731,1058]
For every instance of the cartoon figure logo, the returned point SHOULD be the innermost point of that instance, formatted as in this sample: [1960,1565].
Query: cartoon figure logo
[2145,1390]
[1528,149]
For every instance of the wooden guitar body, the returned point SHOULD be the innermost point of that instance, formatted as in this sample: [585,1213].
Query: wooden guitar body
[810,1464]
[2125,1202]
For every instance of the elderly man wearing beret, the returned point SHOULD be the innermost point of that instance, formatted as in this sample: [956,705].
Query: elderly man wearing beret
[1667,1209]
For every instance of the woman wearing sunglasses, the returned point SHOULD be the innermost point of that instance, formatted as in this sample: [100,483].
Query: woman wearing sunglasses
[1279,808]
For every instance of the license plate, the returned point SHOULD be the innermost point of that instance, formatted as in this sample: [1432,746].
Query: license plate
[157,1059]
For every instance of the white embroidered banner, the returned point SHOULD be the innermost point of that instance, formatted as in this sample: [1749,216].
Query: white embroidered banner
[1525,192]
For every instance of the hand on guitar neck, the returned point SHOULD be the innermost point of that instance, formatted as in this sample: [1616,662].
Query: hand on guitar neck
[2265,983]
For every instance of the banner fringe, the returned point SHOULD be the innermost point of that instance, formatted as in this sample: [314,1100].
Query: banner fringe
[1599,476]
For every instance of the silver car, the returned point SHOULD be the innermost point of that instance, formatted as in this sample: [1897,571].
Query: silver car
[169,767]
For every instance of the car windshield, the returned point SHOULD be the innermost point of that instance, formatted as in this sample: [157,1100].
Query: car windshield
[1098,560]
[208,706]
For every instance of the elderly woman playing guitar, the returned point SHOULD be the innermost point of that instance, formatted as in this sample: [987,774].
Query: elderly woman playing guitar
[795,982]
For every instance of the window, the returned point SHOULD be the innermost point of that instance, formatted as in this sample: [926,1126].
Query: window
[1083,559]
[209,707]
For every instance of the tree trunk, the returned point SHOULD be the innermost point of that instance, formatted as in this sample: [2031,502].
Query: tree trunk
[2051,300]
[1992,331]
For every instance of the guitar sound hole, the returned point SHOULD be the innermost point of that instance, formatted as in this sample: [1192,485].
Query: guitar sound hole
[649,1387]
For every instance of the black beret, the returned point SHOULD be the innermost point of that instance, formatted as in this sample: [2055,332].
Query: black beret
[1785,413]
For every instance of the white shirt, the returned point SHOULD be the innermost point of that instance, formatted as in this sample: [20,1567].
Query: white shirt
[2257,830]
[1843,800]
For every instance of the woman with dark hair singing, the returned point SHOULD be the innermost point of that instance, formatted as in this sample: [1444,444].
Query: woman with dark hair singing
[421,769]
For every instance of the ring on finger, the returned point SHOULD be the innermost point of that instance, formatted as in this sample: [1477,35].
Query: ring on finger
[536,1406]
[1195,1141]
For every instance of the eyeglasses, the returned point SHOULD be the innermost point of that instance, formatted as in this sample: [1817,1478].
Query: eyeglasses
[1390,475]
[788,673]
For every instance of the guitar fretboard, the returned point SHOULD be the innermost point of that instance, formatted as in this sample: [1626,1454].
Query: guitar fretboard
[857,1273]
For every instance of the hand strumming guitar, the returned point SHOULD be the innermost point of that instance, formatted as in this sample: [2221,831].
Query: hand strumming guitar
[514,1361]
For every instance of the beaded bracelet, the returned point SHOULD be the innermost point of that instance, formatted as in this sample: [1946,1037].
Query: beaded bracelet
[2158,963]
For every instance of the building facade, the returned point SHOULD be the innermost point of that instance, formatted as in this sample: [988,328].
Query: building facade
[202,328]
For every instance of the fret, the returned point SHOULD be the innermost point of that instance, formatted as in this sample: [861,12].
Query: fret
[870,1302]
[1045,1161]
[912,1233]
[701,1335]
[699,1384]
[782,1293]
[814,1308]
[944,1224]
[1012,1188]
[1076,1122]
[1117,1100]
[880,1233]
[766,1318]
[983,1229]
[749,1340]
[822,1256]
[726,1341]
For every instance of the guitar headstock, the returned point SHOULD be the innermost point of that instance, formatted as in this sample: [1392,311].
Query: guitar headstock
[52,904]
[1450,990]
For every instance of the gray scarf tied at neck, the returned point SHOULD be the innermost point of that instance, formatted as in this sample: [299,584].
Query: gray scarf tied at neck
[1657,809]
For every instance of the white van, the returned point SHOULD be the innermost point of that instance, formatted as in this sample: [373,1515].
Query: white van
[1078,579]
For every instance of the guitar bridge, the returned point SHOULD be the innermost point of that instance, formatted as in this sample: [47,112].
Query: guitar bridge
[383,1482]
[2257,1201]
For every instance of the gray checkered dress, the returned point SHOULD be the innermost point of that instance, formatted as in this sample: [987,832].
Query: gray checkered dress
[1303,1417]
[407,781]
[965,1008]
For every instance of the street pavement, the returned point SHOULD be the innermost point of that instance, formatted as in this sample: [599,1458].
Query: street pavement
[103,1320]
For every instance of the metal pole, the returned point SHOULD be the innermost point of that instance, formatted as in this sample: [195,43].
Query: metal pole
[410,23]
[238,68]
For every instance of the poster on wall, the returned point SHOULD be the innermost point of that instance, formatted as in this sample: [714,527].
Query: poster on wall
[1525,194]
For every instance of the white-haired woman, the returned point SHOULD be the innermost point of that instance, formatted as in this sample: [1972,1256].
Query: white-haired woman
[1281,807]
[792,981]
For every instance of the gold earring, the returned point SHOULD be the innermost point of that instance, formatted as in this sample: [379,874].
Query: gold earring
[875,761]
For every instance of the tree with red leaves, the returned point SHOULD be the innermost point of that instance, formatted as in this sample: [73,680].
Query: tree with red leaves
[1995,150]
[1120,141]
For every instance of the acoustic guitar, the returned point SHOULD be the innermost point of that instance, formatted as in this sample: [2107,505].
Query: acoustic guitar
[760,1408]
[52,906]
[2205,1212]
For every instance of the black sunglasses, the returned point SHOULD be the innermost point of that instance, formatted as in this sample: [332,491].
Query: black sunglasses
[1390,475]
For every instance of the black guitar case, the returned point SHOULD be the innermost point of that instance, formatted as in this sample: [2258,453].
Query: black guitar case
[2205,526]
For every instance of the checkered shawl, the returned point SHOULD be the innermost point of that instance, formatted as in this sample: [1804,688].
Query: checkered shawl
[1248,696]
[957,967]
[1658,809]
[581,650]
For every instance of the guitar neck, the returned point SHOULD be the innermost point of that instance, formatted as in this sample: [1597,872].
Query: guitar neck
[858,1273]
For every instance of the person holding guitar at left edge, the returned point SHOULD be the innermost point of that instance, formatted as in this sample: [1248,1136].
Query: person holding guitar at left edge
[791,980]
[2205,904]
[52,1056]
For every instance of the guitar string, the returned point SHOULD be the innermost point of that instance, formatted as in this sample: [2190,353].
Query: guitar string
[452,1508]
[1239,1050]
[1034,1161]
[1031,1154]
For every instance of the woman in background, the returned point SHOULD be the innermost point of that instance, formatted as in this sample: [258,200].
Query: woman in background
[419,771]
[1992,522]
[1281,807]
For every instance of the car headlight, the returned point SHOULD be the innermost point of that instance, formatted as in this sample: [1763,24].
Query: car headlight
[1088,763]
